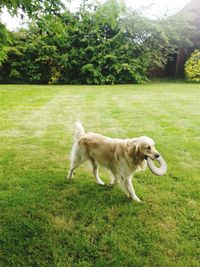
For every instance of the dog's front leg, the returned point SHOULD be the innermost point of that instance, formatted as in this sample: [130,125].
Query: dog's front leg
[130,189]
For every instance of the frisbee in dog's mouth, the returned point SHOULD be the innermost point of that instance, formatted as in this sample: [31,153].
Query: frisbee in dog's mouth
[157,170]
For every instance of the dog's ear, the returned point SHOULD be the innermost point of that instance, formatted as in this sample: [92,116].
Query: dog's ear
[137,147]
[133,149]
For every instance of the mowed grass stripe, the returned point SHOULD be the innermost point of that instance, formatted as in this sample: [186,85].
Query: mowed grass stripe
[46,221]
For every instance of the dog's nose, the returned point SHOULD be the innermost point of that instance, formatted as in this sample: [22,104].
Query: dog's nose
[157,156]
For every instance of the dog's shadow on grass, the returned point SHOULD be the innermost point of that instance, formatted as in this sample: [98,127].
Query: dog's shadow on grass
[82,200]
[88,192]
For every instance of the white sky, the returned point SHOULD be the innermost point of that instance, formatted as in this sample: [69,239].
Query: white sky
[151,8]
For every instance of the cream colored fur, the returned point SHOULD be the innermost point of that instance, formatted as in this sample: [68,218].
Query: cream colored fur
[123,157]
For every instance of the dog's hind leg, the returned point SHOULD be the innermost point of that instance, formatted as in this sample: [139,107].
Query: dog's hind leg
[95,171]
[130,189]
[114,180]
[77,158]
[73,166]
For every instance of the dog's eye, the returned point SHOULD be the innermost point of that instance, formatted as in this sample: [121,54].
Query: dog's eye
[149,147]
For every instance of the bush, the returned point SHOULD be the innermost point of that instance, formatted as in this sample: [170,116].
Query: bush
[87,47]
[192,67]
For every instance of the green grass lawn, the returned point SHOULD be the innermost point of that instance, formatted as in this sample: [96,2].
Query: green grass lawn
[46,221]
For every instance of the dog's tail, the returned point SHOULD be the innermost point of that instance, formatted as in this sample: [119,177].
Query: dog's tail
[79,130]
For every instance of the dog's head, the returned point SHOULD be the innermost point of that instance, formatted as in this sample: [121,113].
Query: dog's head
[143,147]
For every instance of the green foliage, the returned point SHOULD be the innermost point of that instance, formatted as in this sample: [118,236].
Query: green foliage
[4,41]
[32,59]
[103,44]
[109,12]
[32,7]
[100,44]
[192,67]
[3,55]
[187,24]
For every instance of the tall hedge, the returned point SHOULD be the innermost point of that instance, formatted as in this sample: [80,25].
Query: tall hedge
[97,45]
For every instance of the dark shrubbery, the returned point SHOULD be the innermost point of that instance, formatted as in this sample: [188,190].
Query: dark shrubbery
[102,45]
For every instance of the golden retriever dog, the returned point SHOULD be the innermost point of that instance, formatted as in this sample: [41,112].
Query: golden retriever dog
[122,157]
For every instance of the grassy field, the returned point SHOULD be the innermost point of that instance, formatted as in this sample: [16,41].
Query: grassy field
[46,221]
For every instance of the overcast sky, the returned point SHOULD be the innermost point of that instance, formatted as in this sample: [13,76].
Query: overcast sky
[151,8]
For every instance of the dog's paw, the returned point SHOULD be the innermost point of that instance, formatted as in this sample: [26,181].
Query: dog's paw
[68,181]
[110,185]
[68,178]
[101,183]
[137,200]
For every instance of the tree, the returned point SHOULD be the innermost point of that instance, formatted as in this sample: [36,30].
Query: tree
[32,7]
[4,40]
[102,44]
[183,27]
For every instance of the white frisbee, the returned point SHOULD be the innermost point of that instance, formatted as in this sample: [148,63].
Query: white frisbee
[157,170]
